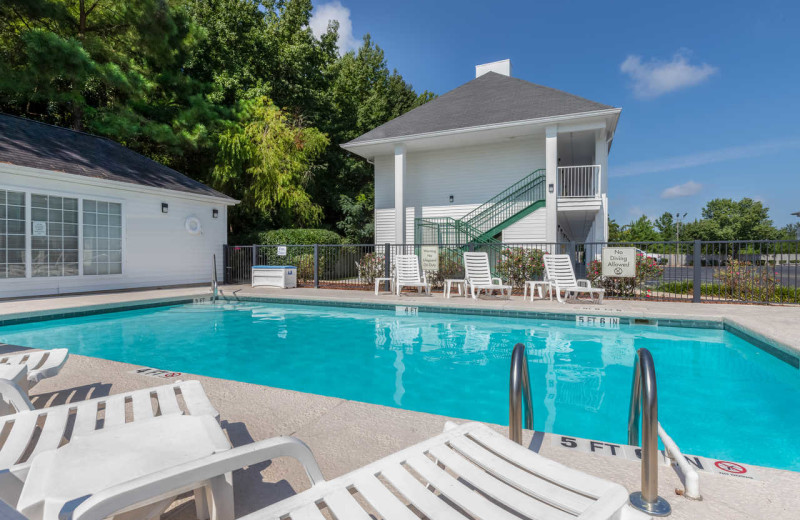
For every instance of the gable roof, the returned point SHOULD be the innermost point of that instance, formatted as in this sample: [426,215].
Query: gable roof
[489,99]
[24,142]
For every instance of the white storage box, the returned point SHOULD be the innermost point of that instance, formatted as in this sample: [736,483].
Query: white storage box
[284,276]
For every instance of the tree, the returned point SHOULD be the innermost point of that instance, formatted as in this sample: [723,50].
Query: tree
[665,225]
[266,160]
[726,219]
[640,230]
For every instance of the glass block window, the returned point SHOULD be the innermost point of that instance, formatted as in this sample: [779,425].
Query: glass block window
[102,237]
[12,234]
[54,236]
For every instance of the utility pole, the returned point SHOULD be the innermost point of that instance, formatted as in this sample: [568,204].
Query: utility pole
[678,218]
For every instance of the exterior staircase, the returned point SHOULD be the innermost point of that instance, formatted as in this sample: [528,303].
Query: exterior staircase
[481,225]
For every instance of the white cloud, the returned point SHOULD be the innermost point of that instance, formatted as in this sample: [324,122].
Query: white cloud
[703,158]
[324,13]
[656,77]
[682,190]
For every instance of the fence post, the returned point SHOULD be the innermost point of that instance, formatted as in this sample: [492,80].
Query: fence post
[387,265]
[697,279]
[255,256]
[225,277]
[316,266]
[471,247]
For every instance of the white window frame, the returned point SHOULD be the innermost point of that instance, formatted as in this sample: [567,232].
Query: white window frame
[72,195]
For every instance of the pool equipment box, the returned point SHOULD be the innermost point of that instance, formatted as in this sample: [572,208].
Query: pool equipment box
[283,276]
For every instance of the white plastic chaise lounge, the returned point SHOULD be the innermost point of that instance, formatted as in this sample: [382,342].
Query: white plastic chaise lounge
[407,274]
[38,365]
[479,278]
[559,272]
[31,432]
[468,469]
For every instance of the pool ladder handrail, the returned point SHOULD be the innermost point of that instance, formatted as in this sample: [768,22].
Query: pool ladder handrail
[214,284]
[519,393]
[644,399]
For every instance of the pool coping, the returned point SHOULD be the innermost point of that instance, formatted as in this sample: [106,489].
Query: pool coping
[786,353]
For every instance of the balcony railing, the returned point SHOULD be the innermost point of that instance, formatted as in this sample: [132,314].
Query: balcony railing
[576,182]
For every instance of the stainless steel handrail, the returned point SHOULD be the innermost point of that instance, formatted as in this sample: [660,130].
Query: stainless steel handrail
[644,399]
[214,284]
[519,388]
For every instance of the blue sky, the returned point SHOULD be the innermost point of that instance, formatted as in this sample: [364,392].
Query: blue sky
[710,91]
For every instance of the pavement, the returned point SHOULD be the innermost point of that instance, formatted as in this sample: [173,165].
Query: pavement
[345,435]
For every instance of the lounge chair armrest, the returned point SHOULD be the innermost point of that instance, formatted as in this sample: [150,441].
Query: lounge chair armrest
[11,393]
[186,477]
[497,281]
[584,283]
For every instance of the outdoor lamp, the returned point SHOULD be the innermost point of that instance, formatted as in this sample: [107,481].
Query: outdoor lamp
[214,213]
[451,199]
[164,207]
[551,188]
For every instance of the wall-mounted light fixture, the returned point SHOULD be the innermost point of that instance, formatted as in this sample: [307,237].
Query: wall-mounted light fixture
[214,213]
[451,199]
[164,207]
[551,188]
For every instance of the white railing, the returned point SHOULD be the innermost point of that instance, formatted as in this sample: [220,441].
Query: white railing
[579,181]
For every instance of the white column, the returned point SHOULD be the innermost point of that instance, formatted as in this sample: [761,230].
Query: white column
[601,158]
[399,185]
[551,178]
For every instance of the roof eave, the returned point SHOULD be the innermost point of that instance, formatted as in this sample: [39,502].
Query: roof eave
[352,146]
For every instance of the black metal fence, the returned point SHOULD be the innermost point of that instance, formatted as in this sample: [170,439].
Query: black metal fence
[762,271]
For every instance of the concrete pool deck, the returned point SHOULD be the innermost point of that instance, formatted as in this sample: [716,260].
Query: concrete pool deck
[345,435]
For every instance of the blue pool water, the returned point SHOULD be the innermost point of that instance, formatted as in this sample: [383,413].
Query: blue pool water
[719,395]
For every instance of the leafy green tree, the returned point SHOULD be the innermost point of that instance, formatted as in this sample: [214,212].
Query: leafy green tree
[665,225]
[614,231]
[266,160]
[640,230]
[726,219]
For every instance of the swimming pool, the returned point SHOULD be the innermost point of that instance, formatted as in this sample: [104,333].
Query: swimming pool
[719,396]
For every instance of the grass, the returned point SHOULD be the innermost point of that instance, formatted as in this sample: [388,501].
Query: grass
[781,294]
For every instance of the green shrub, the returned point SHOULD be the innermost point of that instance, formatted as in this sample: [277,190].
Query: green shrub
[280,237]
[449,268]
[371,266]
[517,264]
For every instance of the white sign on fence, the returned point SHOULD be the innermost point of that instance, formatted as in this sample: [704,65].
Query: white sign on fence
[281,250]
[39,228]
[429,257]
[619,262]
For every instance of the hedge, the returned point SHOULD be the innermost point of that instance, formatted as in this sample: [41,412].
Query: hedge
[282,237]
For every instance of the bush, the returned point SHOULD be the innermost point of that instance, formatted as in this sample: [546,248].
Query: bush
[516,265]
[282,237]
[647,269]
[371,266]
[449,268]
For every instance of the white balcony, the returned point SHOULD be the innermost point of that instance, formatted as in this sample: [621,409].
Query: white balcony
[579,182]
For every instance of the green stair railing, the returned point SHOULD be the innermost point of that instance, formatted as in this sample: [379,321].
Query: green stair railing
[487,220]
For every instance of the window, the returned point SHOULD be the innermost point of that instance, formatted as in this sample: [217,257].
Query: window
[12,234]
[102,237]
[54,236]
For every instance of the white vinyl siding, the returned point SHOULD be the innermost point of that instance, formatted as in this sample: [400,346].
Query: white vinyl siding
[472,175]
[531,228]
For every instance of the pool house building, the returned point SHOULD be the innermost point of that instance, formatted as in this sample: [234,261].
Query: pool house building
[497,158]
[83,213]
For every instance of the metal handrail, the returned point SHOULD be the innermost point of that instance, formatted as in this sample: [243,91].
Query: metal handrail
[519,388]
[644,399]
[214,284]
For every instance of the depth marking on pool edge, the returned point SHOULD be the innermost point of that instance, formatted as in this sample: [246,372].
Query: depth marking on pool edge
[608,449]
[155,372]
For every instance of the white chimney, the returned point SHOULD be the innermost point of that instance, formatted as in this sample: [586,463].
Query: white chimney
[501,67]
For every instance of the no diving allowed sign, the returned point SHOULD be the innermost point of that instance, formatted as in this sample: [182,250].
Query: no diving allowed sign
[608,449]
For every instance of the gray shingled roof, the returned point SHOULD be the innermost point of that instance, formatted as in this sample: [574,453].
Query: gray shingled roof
[24,142]
[489,99]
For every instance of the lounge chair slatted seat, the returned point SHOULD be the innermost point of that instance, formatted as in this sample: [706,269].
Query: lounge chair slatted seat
[559,272]
[22,430]
[407,274]
[41,363]
[479,276]
[466,472]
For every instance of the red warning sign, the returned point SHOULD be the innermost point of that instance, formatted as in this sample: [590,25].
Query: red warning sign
[731,467]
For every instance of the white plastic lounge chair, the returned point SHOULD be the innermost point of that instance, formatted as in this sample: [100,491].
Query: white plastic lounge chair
[479,276]
[31,432]
[467,469]
[559,272]
[41,364]
[407,274]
